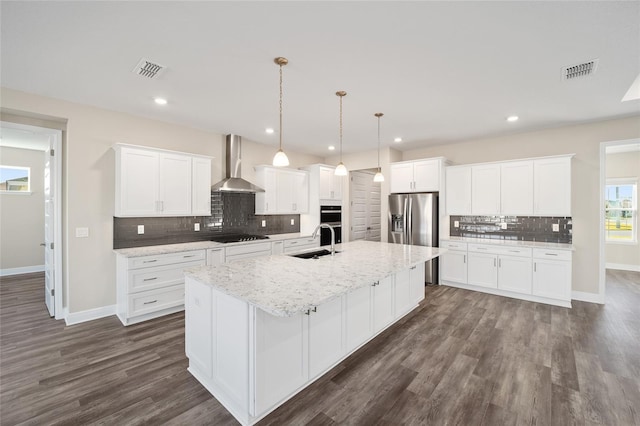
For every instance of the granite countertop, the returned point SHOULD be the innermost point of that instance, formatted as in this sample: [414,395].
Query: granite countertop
[513,243]
[197,245]
[283,285]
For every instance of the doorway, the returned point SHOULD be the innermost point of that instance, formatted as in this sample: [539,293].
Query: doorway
[48,141]
[365,196]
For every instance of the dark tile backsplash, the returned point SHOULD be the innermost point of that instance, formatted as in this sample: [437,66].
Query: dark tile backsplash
[231,213]
[524,228]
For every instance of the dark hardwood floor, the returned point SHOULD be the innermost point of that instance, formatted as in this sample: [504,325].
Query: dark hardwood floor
[461,358]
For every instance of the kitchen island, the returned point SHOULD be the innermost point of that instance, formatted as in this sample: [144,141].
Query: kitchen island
[260,330]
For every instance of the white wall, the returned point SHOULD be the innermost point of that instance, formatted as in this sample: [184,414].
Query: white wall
[22,215]
[583,140]
[623,165]
[88,180]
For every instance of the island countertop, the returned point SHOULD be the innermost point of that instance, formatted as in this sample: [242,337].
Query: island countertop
[283,285]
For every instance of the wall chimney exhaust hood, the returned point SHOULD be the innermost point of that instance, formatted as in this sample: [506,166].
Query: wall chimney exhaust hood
[234,182]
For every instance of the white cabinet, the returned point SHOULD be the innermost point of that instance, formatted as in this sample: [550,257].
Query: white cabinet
[358,317]
[514,274]
[153,182]
[485,189]
[552,274]
[330,185]
[382,303]
[298,244]
[458,190]
[552,186]
[277,247]
[201,187]
[248,250]
[326,344]
[417,283]
[416,176]
[215,256]
[516,188]
[286,191]
[453,263]
[483,269]
[151,286]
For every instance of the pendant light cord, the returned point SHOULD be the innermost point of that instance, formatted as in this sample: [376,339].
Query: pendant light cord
[378,143]
[281,107]
[340,129]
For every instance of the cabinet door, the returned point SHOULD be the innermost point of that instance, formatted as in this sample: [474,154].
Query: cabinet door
[382,304]
[326,345]
[175,184]
[337,187]
[483,270]
[300,192]
[284,193]
[402,292]
[201,187]
[199,326]
[215,257]
[417,282]
[516,188]
[426,176]
[401,177]
[453,267]
[514,274]
[281,357]
[458,187]
[552,187]
[137,183]
[358,321]
[277,247]
[552,278]
[327,177]
[485,189]
[266,202]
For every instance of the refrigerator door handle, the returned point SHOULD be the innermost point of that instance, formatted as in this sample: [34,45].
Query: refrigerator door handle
[410,222]
[405,222]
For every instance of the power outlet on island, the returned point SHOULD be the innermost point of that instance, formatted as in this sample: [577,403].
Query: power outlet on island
[555,227]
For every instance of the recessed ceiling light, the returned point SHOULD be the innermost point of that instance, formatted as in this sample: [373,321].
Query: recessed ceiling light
[331,147]
[512,118]
[397,140]
[160,101]
[269,130]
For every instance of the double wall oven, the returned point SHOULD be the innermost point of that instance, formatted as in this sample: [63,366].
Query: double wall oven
[333,216]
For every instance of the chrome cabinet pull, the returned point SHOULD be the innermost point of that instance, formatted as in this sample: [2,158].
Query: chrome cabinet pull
[413,267]
[191,255]
[149,261]
[551,254]
[494,262]
[534,266]
[150,279]
[148,303]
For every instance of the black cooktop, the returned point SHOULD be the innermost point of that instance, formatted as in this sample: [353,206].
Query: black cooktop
[236,238]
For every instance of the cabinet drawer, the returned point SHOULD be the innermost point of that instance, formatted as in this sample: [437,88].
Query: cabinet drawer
[480,248]
[515,251]
[456,246]
[165,259]
[248,249]
[552,254]
[300,243]
[157,277]
[155,300]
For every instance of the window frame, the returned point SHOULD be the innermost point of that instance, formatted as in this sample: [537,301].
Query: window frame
[632,181]
[28,190]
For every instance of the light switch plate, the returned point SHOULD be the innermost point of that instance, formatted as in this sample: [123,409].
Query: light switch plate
[456,224]
[264,223]
[196,226]
[555,227]
[293,221]
[82,232]
[140,229]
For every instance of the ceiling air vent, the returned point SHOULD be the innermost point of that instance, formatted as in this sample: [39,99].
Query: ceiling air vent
[580,70]
[146,68]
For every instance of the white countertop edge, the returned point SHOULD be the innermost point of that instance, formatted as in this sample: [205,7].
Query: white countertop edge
[518,243]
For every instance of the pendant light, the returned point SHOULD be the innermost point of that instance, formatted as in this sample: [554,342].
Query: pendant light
[280,159]
[378,177]
[341,170]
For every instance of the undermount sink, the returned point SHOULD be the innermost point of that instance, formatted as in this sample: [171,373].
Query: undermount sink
[316,254]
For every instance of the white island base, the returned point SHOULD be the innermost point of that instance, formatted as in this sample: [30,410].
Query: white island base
[253,361]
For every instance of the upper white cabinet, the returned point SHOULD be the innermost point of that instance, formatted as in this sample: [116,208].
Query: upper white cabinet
[458,190]
[416,176]
[516,188]
[151,182]
[540,187]
[552,186]
[485,189]
[286,191]
[330,185]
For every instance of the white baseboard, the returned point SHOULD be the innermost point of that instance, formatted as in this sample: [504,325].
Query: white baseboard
[90,315]
[587,297]
[22,270]
[623,267]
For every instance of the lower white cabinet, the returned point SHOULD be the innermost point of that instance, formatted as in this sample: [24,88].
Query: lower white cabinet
[453,263]
[151,286]
[252,361]
[483,269]
[246,251]
[514,274]
[552,274]
[215,256]
[297,244]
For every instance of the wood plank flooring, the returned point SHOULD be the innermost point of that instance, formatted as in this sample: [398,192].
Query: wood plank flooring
[461,358]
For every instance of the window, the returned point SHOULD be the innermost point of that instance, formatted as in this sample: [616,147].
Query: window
[621,211]
[15,179]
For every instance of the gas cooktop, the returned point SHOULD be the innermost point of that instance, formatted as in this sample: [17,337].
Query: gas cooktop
[236,238]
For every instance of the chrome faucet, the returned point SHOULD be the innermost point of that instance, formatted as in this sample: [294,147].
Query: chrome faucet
[333,236]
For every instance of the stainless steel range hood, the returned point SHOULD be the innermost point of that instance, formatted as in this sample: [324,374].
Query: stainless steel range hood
[234,182]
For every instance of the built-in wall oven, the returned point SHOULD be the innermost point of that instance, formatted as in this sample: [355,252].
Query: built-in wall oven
[333,216]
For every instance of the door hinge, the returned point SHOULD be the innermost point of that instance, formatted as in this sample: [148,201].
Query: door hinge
[52,152]
[53,292]
[51,246]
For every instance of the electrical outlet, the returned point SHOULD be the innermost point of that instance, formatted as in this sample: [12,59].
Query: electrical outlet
[264,223]
[196,226]
[140,229]
[82,232]
[555,227]
[293,221]
[503,225]
[456,224]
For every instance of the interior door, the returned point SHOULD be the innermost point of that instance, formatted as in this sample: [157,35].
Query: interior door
[49,229]
[365,207]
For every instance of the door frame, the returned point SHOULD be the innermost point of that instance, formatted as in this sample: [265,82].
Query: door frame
[602,240]
[56,181]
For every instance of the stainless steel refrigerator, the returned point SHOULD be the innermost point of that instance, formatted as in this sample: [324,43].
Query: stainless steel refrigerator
[413,219]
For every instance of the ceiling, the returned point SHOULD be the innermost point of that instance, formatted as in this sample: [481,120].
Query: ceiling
[440,71]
